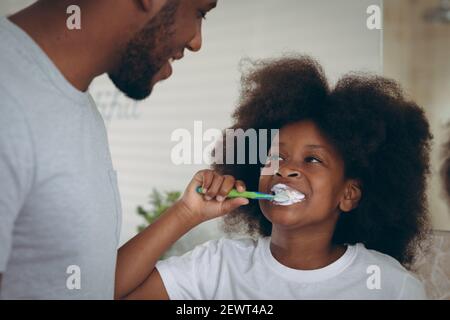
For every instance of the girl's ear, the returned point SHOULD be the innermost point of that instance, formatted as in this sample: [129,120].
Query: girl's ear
[351,197]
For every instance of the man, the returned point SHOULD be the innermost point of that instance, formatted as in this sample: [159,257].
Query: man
[59,203]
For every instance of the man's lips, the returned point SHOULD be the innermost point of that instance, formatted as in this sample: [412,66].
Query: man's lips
[167,69]
[178,56]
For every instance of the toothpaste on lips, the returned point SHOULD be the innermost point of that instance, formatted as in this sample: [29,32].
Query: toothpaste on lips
[285,195]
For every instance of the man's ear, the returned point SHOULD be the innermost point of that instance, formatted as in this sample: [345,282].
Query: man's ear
[151,5]
[352,196]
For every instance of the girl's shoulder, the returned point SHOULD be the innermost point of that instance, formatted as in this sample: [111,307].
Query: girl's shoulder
[377,258]
[390,271]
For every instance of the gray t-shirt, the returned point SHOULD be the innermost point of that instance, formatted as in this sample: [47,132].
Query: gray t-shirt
[60,209]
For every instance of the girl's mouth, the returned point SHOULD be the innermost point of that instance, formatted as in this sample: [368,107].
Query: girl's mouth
[285,195]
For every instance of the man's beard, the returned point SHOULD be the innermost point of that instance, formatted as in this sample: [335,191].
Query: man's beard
[146,54]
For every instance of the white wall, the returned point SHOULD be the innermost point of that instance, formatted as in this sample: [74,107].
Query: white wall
[8,7]
[205,85]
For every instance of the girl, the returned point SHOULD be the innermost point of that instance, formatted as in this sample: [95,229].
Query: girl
[355,157]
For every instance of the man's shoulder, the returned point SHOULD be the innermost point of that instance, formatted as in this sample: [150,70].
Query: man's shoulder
[10,110]
[22,83]
[17,60]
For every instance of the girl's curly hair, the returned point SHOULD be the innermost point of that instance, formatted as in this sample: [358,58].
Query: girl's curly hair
[383,138]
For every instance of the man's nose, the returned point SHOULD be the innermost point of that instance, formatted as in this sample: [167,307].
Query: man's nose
[196,43]
[286,172]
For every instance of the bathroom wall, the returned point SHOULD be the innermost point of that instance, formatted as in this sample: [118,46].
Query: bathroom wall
[433,268]
[10,6]
[417,54]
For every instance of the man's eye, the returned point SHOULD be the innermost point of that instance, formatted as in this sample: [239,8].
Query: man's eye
[202,15]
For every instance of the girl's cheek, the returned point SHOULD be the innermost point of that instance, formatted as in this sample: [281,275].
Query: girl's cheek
[263,183]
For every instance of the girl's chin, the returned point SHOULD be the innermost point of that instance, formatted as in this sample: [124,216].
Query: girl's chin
[283,215]
[269,205]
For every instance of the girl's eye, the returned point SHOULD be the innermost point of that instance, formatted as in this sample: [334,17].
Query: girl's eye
[313,160]
[275,157]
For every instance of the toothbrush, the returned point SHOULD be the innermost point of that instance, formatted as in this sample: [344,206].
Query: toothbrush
[246,194]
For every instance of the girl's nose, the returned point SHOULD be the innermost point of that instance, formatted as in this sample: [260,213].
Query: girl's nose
[285,172]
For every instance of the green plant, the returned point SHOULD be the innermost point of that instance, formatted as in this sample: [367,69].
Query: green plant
[159,202]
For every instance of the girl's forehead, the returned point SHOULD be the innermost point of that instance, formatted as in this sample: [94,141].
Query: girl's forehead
[302,131]
[303,134]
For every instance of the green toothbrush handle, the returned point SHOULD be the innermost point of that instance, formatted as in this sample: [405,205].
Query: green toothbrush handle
[246,194]
[236,194]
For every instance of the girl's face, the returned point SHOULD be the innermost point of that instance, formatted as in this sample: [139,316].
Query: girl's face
[310,164]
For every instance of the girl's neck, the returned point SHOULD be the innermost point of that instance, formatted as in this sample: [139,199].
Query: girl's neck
[304,250]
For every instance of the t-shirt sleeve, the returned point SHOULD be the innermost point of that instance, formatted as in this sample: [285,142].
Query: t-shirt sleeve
[194,275]
[412,289]
[16,162]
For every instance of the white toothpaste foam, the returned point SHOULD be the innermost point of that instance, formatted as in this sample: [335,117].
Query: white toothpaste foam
[285,195]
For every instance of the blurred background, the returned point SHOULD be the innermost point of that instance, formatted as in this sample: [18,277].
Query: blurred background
[413,47]
[416,52]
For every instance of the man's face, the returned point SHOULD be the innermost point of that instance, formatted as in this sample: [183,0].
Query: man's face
[147,57]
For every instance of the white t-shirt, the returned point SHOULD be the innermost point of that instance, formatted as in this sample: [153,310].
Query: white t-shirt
[245,269]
